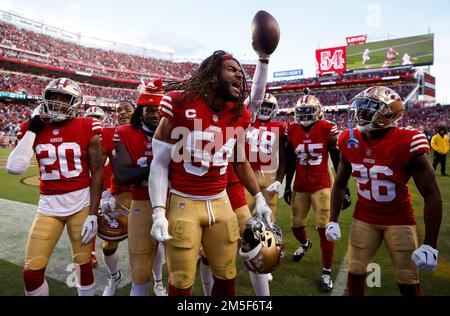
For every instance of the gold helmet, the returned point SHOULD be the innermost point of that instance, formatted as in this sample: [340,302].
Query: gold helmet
[376,108]
[61,99]
[96,112]
[268,108]
[262,248]
[308,110]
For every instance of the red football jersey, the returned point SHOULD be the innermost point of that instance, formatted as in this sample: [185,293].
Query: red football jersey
[380,171]
[209,140]
[62,154]
[108,145]
[139,146]
[312,172]
[261,140]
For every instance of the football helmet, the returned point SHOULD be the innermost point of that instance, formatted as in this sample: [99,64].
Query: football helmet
[113,226]
[150,93]
[376,108]
[308,110]
[268,108]
[55,109]
[95,111]
[262,248]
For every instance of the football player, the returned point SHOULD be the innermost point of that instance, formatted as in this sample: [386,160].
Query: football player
[311,140]
[235,190]
[382,158]
[134,154]
[204,119]
[114,194]
[68,150]
[97,113]
[264,138]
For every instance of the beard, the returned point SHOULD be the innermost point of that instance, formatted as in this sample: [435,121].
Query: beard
[224,91]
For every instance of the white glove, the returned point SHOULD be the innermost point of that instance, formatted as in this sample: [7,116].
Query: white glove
[160,227]
[262,210]
[274,187]
[36,111]
[89,229]
[333,231]
[425,258]
[108,202]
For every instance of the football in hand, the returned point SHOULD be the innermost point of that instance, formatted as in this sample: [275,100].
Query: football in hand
[265,32]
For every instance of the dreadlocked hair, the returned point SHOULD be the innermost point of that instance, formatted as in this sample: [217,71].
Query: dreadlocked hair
[199,82]
[136,117]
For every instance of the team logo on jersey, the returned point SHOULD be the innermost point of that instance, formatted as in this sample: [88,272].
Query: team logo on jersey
[55,131]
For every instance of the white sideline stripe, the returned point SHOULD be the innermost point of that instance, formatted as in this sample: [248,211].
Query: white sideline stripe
[341,280]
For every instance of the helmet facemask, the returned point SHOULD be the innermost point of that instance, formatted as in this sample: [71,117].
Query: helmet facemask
[262,248]
[59,110]
[267,110]
[307,115]
[371,114]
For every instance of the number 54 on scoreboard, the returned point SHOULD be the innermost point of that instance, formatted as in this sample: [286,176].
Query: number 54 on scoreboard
[331,60]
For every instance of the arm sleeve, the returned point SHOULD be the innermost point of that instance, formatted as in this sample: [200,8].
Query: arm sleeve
[258,86]
[19,159]
[158,178]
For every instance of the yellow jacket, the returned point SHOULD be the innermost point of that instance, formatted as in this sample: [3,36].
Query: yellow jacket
[440,144]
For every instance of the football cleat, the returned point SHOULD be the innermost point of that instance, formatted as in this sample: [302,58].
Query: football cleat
[113,284]
[327,283]
[301,251]
[160,290]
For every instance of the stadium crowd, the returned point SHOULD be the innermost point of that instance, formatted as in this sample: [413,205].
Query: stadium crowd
[347,76]
[69,55]
[33,85]
[335,97]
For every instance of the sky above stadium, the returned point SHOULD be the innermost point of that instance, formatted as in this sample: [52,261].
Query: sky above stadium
[195,28]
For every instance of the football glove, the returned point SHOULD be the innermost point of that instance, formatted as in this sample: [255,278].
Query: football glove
[262,210]
[333,231]
[160,227]
[108,202]
[274,187]
[287,196]
[425,258]
[89,229]
[35,124]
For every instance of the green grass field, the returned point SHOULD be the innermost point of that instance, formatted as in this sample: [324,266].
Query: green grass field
[420,47]
[290,279]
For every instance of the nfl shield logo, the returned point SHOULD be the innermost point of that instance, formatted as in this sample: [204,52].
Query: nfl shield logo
[307,135]
[369,152]
[182,205]
[55,132]
[215,118]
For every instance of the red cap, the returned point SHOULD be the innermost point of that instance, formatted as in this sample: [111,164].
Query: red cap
[150,93]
